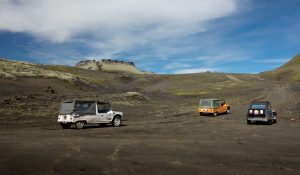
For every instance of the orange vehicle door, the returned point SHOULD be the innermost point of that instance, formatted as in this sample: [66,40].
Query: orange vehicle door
[223,107]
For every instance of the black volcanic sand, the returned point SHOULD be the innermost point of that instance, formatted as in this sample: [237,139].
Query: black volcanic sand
[160,135]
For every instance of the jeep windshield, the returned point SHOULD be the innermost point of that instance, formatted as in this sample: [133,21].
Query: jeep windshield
[257,106]
[66,108]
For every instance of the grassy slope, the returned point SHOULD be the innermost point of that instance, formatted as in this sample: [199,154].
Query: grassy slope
[13,69]
[115,67]
[179,85]
[288,72]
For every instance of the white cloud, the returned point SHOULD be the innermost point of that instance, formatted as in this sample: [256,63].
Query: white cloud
[117,24]
[273,61]
[177,65]
[195,70]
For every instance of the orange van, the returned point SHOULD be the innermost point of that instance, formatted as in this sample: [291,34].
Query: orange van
[213,106]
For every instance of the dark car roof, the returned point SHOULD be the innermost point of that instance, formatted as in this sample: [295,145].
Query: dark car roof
[210,99]
[85,101]
[260,102]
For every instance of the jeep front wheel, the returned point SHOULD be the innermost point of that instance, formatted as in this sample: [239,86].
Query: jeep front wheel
[228,111]
[116,121]
[79,124]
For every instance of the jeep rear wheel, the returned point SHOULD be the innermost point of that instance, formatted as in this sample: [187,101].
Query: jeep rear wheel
[79,124]
[248,122]
[65,125]
[116,121]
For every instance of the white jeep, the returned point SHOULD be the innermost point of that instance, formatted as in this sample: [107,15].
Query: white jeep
[81,113]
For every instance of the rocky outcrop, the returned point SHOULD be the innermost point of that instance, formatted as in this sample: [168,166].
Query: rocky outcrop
[109,61]
[109,65]
[89,64]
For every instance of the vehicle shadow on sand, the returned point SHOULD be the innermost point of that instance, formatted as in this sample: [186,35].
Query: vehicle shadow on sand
[97,126]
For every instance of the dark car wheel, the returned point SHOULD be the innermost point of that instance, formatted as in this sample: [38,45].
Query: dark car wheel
[270,122]
[116,121]
[65,125]
[215,114]
[228,111]
[275,120]
[79,124]
[248,122]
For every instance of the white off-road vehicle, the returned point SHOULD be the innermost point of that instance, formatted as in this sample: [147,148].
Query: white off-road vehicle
[81,113]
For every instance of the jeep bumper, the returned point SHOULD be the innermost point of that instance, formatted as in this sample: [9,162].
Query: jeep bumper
[257,119]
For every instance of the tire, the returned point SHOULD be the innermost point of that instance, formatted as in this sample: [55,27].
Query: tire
[270,122]
[200,113]
[228,111]
[116,121]
[249,122]
[79,124]
[65,125]
[275,121]
[215,114]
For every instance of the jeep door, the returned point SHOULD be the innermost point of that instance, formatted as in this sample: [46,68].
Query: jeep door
[217,106]
[223,107]
[269,111]
[103,113]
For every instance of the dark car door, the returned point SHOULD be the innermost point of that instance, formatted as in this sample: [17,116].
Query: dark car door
[269,111]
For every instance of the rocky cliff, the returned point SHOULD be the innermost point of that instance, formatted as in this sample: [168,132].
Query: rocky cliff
[108,65]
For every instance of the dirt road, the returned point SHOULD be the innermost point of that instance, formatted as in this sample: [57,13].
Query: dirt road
[174,143]
[163,135]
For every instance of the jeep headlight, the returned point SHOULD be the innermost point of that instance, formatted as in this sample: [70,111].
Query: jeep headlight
[250,111]
[261,111]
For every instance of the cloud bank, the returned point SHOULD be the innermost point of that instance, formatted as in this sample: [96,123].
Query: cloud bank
[115,23]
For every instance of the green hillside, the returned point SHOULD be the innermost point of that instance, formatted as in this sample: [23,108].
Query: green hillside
[288,72]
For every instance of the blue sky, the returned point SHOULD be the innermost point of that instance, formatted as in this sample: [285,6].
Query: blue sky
[162,36]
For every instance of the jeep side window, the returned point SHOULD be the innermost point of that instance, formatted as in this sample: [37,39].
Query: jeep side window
[85,108]
[222,103]
[103,108]
[216,103]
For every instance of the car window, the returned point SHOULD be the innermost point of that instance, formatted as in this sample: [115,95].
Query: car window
[258,106]
[85,108]
[66,108]
[103,107]
[205,103]
[216,103]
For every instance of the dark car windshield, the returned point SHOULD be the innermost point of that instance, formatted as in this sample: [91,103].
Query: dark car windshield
[258,106]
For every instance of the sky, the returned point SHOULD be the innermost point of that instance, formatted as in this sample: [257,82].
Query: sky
[161,36]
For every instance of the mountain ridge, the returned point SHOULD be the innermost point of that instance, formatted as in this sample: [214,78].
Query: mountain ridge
[109,65]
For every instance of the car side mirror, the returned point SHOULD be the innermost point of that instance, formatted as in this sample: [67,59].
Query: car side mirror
[274,113]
